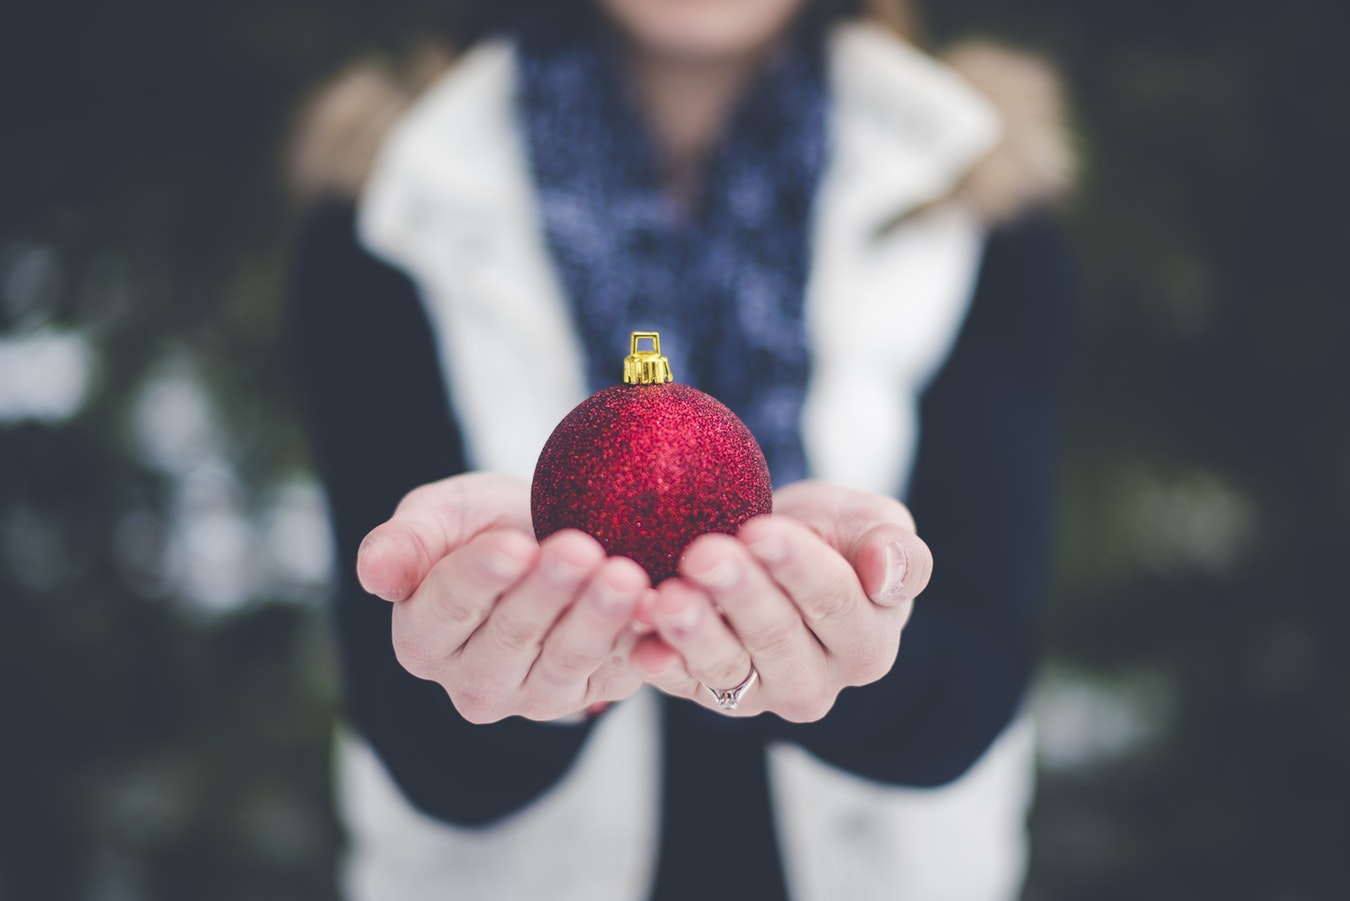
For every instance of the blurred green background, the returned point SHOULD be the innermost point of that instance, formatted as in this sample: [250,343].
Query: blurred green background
[166,684]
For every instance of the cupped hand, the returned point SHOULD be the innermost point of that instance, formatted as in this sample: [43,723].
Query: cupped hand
[505,625]
[814,596]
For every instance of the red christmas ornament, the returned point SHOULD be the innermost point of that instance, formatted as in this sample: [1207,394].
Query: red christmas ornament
[647,466]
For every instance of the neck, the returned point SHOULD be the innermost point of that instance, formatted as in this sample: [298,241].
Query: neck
[687,104]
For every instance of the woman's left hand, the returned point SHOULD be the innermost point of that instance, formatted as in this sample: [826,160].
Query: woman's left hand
[814,597]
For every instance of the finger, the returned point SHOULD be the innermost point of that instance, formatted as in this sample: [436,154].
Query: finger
[393,559]
[433,521]
[874,533]
[768,624]
[860,637]
[591,629]
[456,597]
[712,653]
[814,576]
[662,667]
[833,510]
[616,678]
[506,646]
[894,566]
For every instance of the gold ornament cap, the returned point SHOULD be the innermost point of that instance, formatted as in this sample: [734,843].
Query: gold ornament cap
[645,367]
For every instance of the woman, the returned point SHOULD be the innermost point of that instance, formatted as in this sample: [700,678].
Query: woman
[838,236]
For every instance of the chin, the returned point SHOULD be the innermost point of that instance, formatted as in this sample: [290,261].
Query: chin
[701,30]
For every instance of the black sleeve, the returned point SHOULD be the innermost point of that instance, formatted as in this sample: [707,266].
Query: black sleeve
[982,495]
[380,425]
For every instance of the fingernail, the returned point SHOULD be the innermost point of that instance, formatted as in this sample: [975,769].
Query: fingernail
[503,565]
[610,601]
[682,620]
[562,571]
[392,593]
[897,562]
[770,548]
[646,612]
[369,580]
[724,574]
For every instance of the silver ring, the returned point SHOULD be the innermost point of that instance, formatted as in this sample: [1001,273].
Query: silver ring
[729,698]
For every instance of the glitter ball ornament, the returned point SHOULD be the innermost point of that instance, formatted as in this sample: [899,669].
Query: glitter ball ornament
[649,465]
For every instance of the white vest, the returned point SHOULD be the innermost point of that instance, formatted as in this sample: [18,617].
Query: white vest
[451,203]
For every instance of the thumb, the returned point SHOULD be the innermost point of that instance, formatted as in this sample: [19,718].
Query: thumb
[433,521]
[874,533]
[892,563]
[393,559]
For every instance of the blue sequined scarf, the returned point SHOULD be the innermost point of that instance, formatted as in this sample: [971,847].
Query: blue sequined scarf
[724,283]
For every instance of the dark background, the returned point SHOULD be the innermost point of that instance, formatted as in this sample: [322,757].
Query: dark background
[166,685]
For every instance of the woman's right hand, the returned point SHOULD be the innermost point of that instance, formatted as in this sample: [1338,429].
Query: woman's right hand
[505,625]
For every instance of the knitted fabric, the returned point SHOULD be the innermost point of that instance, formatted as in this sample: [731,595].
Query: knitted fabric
[723,280]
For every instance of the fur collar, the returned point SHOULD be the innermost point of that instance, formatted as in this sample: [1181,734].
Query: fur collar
[343,124]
